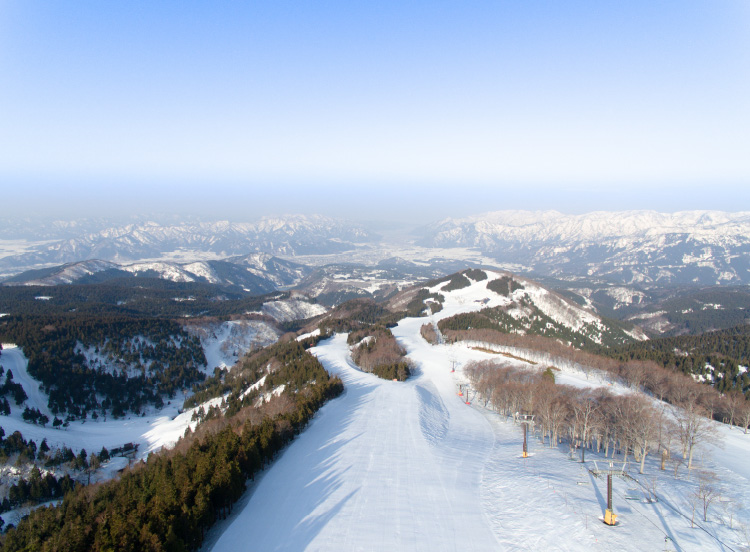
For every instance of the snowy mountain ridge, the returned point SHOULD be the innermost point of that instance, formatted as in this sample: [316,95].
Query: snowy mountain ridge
[707,247]
[259,272]
[477,300]
[288,235]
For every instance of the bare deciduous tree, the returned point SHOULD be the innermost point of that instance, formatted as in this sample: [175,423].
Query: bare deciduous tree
[694,428]
[641,425]
[707,492]
[732,405]
[744,415]
[586,417]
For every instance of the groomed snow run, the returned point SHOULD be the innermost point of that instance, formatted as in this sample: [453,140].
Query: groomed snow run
[388,466]
[410,466]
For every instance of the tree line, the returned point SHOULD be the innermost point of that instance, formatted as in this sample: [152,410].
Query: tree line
[37,488]
[504,285]
[133,297]
[535,322]
[11,389]
[169,501]
[666,384]
[726,351]
[594,419]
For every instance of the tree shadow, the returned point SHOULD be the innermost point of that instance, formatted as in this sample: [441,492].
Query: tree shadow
[298,495]
[599,496]
[667,528]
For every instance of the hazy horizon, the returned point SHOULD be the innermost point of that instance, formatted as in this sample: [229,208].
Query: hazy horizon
[379,203]
[387,111]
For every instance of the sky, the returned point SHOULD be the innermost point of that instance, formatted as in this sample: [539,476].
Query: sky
[373,109]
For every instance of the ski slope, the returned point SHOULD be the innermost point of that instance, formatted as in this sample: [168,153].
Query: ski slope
[388,466]
[12,359]
[411,466]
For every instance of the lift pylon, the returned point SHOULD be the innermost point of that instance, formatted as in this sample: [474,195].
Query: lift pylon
[610,468]
[525,420]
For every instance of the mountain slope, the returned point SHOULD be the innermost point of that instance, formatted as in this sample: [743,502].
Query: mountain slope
[706,247]
[484,299]
[413,466]
[65,274]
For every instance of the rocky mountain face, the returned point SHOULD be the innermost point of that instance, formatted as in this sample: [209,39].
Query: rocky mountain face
[646,247]
[288,235]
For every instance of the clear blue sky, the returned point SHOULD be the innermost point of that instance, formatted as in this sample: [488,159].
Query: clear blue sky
[246,107]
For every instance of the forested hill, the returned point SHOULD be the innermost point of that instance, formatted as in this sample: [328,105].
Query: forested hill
[142,297]
[511,304]
[721,356]
[169,501]
[106,365]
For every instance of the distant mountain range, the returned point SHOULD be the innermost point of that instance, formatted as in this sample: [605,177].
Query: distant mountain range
[641,248]
[288,235]
[633,247]
[256,273]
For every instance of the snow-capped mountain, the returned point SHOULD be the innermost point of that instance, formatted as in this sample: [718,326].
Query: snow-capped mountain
[251,271]
[707,247]
[279,271]
[257,273]
[287,235]
[65,274]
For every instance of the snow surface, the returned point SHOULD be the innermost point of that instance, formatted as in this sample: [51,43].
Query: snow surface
[313,333]
[12,359]
[292,309]
[223,344]
[411,466]
[366,475]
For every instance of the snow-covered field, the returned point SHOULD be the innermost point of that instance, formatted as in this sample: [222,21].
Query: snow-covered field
[410,466]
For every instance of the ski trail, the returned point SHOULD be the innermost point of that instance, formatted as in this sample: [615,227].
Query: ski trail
[366,474]
[12,359]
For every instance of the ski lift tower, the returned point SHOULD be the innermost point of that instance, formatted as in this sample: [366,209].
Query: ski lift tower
[526,420]
[610,468]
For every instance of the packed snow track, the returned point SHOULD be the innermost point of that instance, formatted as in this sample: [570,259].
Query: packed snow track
[388,466]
